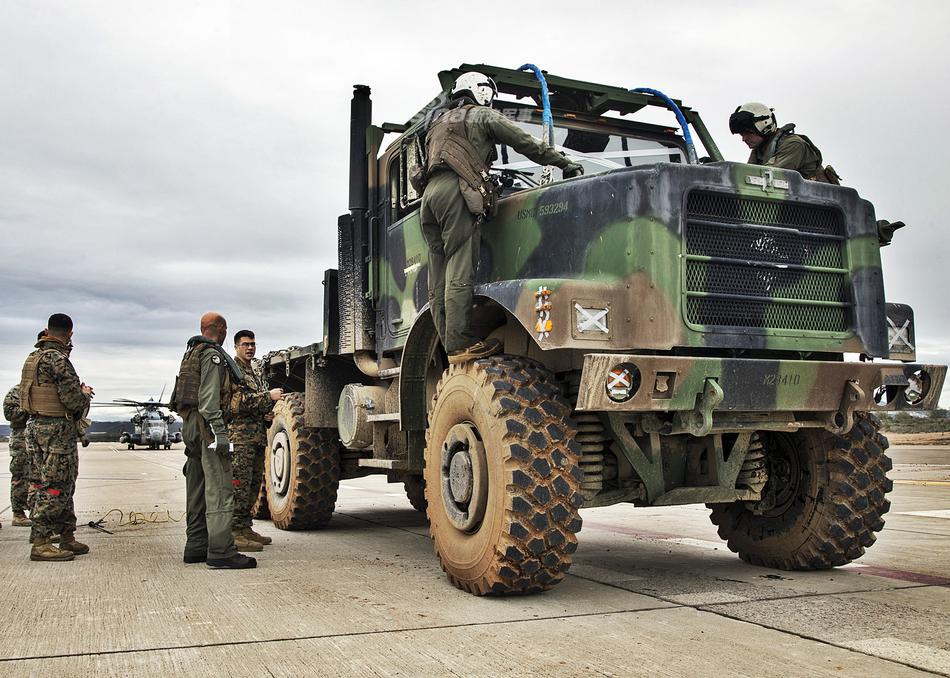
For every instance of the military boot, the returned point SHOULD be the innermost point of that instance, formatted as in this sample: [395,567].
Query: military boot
[249,533]
[43,550]
[242,543]
[20,520]
[481,349]
[68,543]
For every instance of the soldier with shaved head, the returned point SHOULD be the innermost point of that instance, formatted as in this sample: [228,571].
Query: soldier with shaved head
[201,396]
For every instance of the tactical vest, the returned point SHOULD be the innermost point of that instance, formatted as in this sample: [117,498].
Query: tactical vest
[250,383]
[187,383]
[448,146]
[36,398]
[825,175]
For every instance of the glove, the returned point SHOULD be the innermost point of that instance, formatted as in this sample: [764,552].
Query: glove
[572,170]
[221,444]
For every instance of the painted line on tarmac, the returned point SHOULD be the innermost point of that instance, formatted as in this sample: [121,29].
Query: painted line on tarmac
[924,483]
[945,513]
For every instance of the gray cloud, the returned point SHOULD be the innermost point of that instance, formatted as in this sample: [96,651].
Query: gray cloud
[160,160]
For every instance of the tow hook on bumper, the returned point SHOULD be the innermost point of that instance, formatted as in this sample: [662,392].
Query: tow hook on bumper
[699,421]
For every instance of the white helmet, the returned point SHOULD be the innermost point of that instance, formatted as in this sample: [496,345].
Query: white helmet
[477,85]
[753,117]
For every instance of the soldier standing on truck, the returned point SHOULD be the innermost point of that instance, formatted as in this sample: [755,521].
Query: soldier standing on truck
[251,408]
[459,194]
[201,396]
[55,399]
[20,466]
[778,146]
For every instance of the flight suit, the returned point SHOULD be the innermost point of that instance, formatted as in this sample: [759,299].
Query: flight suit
[450,228]
[208,481]
[787,150]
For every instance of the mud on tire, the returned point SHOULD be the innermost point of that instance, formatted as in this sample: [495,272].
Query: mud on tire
[522,538]
[301,467]
[831,516]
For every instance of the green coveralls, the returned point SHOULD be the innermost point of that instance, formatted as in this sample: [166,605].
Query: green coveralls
[208,488]
[451,231]
[787,150]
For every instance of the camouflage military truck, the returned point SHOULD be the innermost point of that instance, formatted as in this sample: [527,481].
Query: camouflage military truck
[674,332]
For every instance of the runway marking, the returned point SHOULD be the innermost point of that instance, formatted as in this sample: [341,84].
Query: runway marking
[925,483]
[914,654]
[945,513]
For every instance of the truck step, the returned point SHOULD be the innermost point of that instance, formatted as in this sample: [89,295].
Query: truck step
[391,464]
[387,416]
[391,373]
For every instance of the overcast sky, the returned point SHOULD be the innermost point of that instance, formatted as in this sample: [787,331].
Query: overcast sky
[162,159]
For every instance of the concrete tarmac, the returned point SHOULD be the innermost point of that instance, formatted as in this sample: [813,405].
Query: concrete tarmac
[653,592]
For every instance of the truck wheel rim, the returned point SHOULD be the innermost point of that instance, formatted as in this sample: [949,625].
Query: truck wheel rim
[280,463]
[464,475]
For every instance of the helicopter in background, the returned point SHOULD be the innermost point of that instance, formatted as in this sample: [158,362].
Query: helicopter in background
[149,424]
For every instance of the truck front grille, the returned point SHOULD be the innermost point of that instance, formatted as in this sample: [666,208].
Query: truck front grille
[768,264]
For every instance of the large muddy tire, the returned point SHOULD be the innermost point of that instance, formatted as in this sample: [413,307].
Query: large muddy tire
[302,468]
[415,487]
[501,477]
[821,505]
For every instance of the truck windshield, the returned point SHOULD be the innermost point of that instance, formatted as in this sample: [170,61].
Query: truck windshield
[595,151]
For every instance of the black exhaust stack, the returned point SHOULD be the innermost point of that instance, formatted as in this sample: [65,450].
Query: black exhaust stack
[361,117]
[354,237]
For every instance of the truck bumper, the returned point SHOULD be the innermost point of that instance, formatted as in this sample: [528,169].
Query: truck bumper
[654,383]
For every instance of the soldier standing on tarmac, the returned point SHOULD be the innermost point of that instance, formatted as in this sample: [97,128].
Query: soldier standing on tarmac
[251,407]
[202,395]
[21,475]
[458,194]
[778,146]
[54,397]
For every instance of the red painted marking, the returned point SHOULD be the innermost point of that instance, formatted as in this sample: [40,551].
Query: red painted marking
[903,575]
[54,492]
[235,482]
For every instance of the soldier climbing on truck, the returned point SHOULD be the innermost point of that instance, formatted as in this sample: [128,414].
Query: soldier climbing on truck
[671,332]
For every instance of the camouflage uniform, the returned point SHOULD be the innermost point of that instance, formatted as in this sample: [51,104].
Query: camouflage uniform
[451,231]
[787,150]
[208,480]
[51,441]
[247,431]
[22,474]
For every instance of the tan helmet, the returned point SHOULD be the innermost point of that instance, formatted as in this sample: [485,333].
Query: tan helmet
[753,117]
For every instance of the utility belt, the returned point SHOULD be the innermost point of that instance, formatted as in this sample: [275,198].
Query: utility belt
[479,190]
